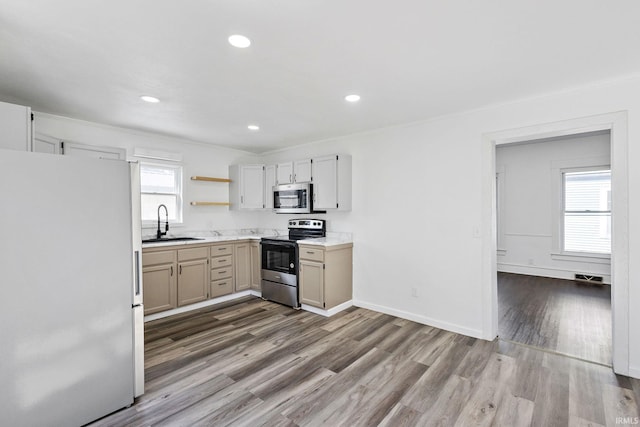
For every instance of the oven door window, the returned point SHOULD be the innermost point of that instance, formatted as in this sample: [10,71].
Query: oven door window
[279,258]
[290,199]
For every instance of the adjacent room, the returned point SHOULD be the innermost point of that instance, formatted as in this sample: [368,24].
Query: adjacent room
[554,244]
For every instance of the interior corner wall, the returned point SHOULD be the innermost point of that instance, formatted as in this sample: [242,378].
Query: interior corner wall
[526,241]
[417,205]
[198,159]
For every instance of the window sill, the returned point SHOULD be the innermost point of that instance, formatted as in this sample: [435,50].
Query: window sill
[582,257]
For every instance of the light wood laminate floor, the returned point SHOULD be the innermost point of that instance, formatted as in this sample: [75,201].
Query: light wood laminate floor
[559,315]
[256,363]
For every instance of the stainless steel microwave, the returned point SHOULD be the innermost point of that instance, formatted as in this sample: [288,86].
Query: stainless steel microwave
[293,198]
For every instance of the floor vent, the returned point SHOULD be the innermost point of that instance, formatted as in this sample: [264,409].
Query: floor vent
[587,278]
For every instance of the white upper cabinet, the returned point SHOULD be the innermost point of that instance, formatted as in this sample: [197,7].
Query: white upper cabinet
[46,144]
[93,152]
[269,182]
[290,172]
[284,174]
[332,183]
[15,127]
[247,187]
[302,170]
[251,186]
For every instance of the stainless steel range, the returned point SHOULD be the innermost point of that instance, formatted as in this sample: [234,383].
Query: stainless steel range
[280,261]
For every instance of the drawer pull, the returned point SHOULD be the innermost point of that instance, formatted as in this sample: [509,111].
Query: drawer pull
[221,260]
[222,284]
[221,272]
[221,249]
[310,252]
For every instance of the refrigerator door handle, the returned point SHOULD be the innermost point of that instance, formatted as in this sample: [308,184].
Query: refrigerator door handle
[138,281]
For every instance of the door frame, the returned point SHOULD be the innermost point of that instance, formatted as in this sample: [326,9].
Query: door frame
[616,123]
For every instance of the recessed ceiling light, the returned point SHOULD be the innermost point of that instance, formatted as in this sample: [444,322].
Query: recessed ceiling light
[352,98]
[253,127]
[151,99]
[240,41]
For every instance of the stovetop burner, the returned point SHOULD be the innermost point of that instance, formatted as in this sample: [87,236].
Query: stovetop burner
[301,229]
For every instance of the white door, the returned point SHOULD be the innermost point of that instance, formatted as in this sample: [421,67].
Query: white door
[252,187]
[15,123]
[325,183]
[46,144]
[269,182]
[285,173]
[76,149]
[302,171]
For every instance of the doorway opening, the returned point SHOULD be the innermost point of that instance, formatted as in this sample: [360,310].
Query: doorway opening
[553,205]
[616,124]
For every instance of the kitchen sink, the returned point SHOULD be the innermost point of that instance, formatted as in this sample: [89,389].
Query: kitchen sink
[170,239]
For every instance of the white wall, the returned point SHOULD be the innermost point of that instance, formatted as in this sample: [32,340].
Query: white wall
[530,184]
[418,198]
[197,159]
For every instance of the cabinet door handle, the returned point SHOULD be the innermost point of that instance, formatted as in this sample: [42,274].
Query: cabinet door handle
[180,272]
[242,199]
[172,271]
[295,176]
[290,180]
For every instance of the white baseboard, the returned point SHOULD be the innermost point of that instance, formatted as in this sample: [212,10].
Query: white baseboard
[475,333]
[330,312]
[198,305]
[634,371]
[556,273]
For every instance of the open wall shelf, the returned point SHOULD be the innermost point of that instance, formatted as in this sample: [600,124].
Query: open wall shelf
[210,204]
[210,179]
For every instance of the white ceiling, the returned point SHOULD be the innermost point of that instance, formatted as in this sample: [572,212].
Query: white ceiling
[408,59]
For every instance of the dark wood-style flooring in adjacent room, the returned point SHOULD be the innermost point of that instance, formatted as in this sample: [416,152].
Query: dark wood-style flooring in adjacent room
[256,363]
[559,315]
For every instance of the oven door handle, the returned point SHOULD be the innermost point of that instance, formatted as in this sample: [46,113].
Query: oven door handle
[280,244]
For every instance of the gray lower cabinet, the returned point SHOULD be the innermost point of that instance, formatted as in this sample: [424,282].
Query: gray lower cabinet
[243,266]
[193,275]
[160,281]
[178,276]
[256,260]
[325,275]
[222,266]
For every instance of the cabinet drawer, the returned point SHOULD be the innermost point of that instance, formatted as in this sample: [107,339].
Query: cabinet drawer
[156,258]
[220,287]
[311,254]
[221,273]
[218,250]
[192,253]
[222,261]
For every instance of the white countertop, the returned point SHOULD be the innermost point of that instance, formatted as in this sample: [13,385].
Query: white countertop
[326,241]
[330,240]
[204,240]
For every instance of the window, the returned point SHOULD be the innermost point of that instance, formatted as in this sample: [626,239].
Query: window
[161,184]
[587,211]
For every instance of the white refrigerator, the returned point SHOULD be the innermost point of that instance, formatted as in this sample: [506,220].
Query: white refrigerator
[71,316]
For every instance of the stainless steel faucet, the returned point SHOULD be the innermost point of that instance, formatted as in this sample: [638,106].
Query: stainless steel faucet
[159,233]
